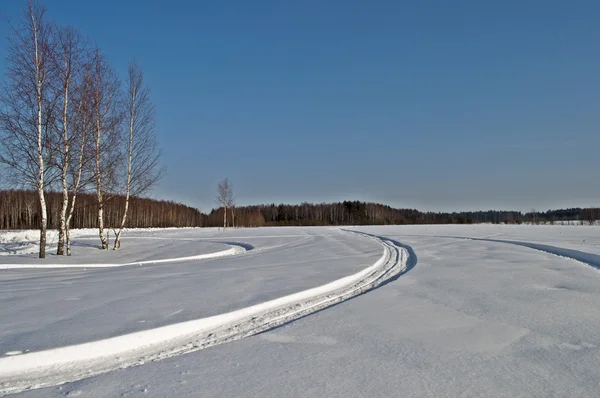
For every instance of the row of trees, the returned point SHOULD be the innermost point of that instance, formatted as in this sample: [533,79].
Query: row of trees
[361,213]
[68,124]
[20,210]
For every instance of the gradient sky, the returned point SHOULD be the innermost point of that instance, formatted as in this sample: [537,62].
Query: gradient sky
[435,105]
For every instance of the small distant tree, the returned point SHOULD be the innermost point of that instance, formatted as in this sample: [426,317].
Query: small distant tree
[591,215]
[225,198]
[534,216]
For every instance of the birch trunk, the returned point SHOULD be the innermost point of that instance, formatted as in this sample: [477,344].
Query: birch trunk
[117,245]
[44,219]
[63,216]
[129,159]
[65,189]
[40,150]
[75,190]
[99,189]
[68,221]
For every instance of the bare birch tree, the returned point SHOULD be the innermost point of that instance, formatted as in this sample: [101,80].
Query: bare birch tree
[27,105]
[82,123]
[143,155]
[107,118]
[70,61]
[225,198]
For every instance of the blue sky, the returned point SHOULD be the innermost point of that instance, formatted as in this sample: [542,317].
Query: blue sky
[434,105]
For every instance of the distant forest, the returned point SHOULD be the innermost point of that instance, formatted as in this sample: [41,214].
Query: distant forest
[19,209]
[361,213]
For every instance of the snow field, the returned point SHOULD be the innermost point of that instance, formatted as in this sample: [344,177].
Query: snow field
[60,365]
[489,310]
[23,242]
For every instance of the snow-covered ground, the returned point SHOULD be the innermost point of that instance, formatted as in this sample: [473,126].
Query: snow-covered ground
[24,242]
[498,315]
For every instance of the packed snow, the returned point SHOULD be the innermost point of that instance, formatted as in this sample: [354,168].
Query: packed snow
[482,310]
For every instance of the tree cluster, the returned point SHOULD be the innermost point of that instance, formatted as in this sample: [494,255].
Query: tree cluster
[68,124]
[591,216]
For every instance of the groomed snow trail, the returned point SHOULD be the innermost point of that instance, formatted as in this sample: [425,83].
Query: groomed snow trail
[66,364]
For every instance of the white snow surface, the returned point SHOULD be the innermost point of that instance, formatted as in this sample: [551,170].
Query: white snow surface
[26,241]
[59,365]
[507,312]
[49,308]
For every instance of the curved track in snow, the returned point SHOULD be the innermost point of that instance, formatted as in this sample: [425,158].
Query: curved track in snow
[65,364]
[235,249]
[589,259]
[592,260]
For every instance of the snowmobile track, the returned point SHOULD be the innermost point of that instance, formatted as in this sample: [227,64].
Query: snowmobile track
[66,364]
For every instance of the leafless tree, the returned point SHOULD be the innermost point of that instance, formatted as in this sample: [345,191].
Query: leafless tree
[83,124]
[225,198]
[143,155]
[71,62]
[27,106]
[107,117]
[591,215]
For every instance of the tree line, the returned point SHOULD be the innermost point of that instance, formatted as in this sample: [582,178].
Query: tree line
[19,209]
[363,213]
[69,124]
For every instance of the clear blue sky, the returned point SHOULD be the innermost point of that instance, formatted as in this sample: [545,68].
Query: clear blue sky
[426,104]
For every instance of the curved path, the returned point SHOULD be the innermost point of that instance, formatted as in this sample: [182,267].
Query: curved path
[48,308]
[237,248]
[590,259]
[60,365]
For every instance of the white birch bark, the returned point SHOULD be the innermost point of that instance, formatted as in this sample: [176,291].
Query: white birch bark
[40,152]
[132,115]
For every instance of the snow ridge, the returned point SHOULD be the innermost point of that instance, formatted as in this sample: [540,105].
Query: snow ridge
[235,250]
[66,364]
